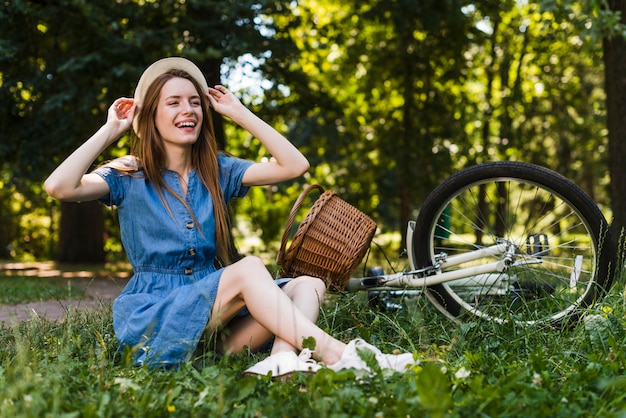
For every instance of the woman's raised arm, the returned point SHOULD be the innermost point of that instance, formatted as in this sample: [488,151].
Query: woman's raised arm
[69,181]
[287,161]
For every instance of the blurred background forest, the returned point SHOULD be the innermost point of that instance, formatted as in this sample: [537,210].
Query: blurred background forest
[385,98]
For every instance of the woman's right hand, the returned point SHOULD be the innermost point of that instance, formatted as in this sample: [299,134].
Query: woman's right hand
[121,114]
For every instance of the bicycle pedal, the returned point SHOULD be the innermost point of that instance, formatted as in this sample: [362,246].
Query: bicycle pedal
[382,300]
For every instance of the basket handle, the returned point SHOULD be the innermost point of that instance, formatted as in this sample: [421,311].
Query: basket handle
[292,216]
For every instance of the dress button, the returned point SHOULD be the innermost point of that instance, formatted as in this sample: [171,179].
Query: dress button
[189,225]
[192,251]
[188,271]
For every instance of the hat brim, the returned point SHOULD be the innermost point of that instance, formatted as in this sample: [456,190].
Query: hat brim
[160,67]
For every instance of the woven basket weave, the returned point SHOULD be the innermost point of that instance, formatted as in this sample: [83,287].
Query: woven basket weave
[331,241]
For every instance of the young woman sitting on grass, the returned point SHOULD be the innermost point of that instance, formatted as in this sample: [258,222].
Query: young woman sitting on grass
[172,195]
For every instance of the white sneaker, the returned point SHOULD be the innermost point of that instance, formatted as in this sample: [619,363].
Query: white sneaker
[350,359]
[282,364]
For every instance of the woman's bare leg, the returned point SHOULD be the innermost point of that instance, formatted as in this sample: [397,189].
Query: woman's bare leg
[306,292]
[248,283]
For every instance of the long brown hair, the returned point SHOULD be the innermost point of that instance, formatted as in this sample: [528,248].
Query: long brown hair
[147,146]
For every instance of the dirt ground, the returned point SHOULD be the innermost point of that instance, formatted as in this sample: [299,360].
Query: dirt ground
[99,289]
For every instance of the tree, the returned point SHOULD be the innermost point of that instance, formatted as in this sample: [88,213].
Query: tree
[605,21]
[385,98]
[614,47]
[542,99]
[384,78]
[400,95]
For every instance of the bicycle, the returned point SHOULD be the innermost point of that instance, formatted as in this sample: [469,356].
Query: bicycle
[507,242]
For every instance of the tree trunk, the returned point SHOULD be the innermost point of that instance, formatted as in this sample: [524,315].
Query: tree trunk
[615,86]
[81,233]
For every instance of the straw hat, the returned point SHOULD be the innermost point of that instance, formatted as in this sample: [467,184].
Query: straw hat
[160,67]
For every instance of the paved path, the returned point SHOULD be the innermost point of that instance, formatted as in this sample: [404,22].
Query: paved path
[99,290]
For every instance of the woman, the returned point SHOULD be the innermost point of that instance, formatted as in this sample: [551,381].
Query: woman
[171,195]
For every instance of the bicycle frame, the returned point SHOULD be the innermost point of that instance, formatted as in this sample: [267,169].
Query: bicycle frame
[485,276]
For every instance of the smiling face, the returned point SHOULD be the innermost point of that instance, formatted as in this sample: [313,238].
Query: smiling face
[179,112]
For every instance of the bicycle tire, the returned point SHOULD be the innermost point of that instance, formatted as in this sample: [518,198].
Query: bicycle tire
[517,201]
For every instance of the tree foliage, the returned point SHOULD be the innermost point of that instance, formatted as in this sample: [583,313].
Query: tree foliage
[384,78]
[605,21]
[385,98]
[404,94]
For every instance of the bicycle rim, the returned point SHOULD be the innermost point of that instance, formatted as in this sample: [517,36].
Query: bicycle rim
[563,250]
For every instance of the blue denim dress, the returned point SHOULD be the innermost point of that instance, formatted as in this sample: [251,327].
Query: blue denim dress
[163,310]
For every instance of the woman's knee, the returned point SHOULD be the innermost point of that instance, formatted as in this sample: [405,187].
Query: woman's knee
[241,274]
[309,284]
[318,285]
[244,275]
[250,262]
[247,267]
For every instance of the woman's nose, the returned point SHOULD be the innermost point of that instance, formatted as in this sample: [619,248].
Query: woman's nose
[187,108]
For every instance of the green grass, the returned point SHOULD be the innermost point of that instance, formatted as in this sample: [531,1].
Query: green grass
[473,369]
[21,289]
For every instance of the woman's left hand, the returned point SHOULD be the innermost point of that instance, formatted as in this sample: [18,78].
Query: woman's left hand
[286,163]
[224,102]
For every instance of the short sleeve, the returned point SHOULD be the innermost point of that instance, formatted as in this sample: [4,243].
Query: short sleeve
[116,187]
[231,176]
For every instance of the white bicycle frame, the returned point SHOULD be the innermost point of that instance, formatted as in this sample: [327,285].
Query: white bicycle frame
[486,277]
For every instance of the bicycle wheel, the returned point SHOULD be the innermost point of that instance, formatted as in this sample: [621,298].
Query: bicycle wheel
[563,253]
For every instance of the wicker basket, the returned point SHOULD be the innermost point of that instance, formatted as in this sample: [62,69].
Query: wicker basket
[331,241]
